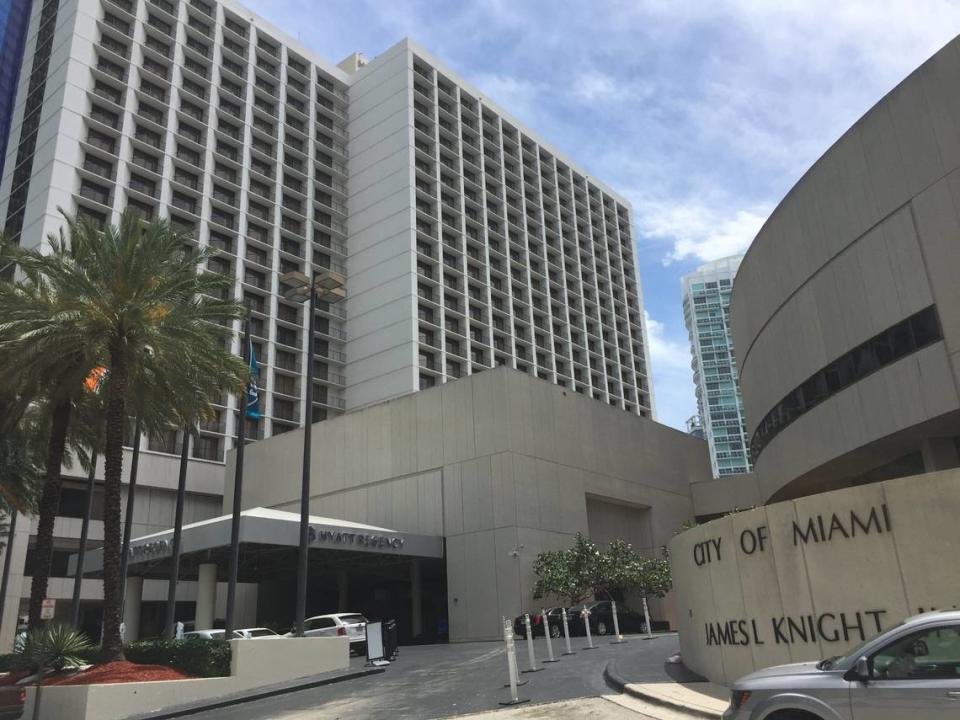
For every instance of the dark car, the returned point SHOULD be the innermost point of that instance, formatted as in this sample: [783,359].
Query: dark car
[537,625]
[601,619]
[12,698]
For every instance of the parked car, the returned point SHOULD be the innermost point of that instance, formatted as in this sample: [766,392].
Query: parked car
[12,698]
[554,622]
[909,671]
[601,619]
[351,625]
[241,633]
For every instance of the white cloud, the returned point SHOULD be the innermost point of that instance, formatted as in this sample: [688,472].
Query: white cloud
[699,230]
[672,377]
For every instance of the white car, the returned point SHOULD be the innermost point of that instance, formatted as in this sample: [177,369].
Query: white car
[266,633]
[351,625]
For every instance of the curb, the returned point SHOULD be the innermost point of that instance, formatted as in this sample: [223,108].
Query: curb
[261,693]
[616,681]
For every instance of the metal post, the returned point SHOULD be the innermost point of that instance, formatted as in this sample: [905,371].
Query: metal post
[237,492]
[84,532]
[586,623]
[302,565]
[616,625]
[646,617]
[566,633]
[131,494]
[546,633]
[169,628]
[533,660]
[8,553]
[511,665]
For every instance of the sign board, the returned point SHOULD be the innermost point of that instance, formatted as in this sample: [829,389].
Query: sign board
[48,608]
[375,644]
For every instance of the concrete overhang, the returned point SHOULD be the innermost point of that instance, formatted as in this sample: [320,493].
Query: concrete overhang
[267,527]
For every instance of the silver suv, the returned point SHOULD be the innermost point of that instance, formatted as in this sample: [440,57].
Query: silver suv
[910,672]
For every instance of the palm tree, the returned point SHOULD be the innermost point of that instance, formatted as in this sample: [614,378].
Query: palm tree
[48,375]
[135,293]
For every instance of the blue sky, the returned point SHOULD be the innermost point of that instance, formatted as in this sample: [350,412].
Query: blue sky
[702,114]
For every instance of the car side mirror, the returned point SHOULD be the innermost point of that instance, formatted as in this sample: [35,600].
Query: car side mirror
[862,670]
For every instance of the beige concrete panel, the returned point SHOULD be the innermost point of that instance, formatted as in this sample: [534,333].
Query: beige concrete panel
[378,442]
[506,542]
[573,507]
[459,595]
[938,393]
[483,622]
[937,227]
[403,438]
[861,205]
[477,495]
[430,502]
[534,542]
[847,574]
[549,490]
[720,495]
[520,418]
[927,582]
[528,497]
[888,175]
[503,489]
[916,136]
[489,397]
[544,432]
[567,440]
[429,429]
[938,77]
[903,250]
[452,500]
[355,447]
[457,428]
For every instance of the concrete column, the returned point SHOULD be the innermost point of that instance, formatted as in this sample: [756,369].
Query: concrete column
[206,596]
[939,453]
[132,597]
[343,596]
[416,600]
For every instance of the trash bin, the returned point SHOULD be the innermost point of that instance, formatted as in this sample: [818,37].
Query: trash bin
[390,639]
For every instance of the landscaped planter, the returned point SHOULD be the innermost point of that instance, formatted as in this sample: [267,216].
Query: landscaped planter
[254,663]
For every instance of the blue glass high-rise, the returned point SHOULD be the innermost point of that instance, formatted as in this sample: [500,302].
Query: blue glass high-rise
[14,20]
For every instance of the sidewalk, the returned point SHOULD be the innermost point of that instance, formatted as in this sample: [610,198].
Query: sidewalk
[684,691]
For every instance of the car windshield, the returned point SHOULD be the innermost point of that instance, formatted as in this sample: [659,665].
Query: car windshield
[832,662]
[261,632]
[349,619]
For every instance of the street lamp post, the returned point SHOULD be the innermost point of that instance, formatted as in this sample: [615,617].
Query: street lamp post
[328,286]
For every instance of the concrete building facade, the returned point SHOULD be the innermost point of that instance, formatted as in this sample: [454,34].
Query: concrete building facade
[466,241]
[846,318]
[706,312]
[501,465]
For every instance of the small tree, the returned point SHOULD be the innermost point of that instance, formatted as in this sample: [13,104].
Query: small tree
[567,574]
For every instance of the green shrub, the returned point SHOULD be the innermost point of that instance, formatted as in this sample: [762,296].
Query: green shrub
[193,656]
[54,647]
[6,662]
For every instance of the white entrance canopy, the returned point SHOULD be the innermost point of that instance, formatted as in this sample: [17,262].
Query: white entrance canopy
[264,526]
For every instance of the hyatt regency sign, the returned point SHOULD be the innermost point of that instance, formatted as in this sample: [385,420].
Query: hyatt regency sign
[353,539]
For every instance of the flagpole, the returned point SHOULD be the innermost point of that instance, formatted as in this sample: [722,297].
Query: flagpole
[238,489]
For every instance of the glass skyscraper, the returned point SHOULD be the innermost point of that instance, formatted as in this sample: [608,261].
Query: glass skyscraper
[706,311]
[14,18]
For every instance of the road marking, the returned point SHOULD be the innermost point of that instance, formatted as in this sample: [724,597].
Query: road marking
[486,656]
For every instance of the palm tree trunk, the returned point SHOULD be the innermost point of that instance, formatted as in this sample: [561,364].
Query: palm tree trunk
[113,470]
[84,532]
[49,503]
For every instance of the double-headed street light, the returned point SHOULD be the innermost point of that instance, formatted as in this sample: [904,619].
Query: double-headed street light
[326,286]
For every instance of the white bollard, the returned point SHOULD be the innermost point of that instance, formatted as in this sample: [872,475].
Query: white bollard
[616,625]
[585,614]
[646,618]
[566,632]
[511,665]
[533,660]
[546,632]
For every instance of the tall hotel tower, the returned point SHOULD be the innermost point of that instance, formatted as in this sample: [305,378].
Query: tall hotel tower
[465,240]
[706,311]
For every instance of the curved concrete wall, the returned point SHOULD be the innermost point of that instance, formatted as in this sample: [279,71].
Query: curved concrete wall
[865,239]
[810,578]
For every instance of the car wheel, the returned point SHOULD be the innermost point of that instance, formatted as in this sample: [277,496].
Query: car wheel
[554,631]
[601,627]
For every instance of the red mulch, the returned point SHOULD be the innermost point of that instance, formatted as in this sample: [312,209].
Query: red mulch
[121,671]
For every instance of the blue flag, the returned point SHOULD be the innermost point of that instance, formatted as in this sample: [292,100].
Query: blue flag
[253,393]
